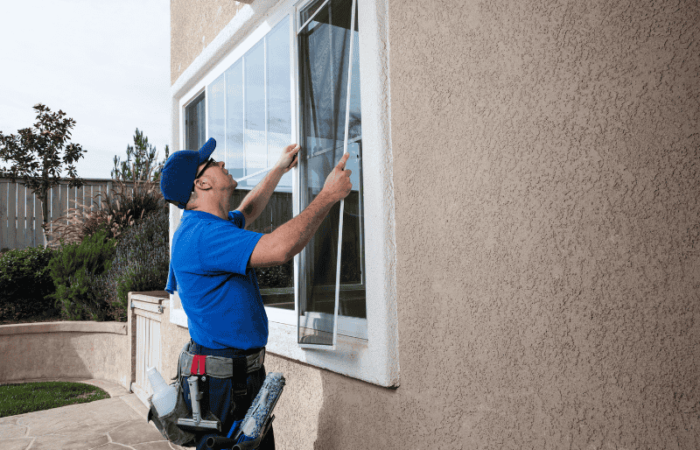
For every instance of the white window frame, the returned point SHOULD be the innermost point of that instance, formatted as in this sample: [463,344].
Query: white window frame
[373,356]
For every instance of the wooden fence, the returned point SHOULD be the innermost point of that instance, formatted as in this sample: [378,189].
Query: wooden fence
[21,213]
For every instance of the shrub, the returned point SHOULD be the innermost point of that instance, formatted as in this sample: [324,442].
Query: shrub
[125,206]
[140,263]
[24,282]
[70,270]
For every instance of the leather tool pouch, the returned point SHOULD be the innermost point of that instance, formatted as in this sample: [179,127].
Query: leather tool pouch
[167,425]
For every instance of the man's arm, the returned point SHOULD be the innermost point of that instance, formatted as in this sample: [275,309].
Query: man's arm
[290,238]
[255,202]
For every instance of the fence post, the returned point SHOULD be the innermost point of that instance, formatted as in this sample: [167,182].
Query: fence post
[12,215]
[3,215]
[39,220]
[31,215]
[21,224]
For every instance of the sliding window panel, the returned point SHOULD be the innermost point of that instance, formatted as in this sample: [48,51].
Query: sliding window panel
[279,97]
[352,261]
[352,268]
[217,116]
[324,52]
[255,140]
[277,283]
[235,152]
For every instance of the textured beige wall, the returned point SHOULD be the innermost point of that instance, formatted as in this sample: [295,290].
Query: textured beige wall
[65,350]
[547,173]
[548,234]
[193,25]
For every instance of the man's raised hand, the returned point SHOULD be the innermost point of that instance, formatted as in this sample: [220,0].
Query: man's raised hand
[338,184]
[289,158]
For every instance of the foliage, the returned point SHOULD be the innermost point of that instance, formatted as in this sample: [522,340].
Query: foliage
[277,276]
[125,206]
[141,263]
[144,162]
[24,282]
[39,154]
[29,397]
[70,270]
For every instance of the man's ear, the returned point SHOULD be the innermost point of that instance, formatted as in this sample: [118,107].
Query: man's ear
[203,183]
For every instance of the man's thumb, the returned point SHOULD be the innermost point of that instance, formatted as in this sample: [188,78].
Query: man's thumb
[343,160]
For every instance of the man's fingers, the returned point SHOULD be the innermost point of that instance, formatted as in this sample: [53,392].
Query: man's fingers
[343,160]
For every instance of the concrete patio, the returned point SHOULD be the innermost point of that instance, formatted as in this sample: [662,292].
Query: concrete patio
[116,423]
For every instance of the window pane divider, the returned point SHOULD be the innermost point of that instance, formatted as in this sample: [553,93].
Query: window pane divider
[312,16]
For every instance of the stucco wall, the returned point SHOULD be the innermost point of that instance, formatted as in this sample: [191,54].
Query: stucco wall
[547,173]
[193,25]
[54,350]
[547,225]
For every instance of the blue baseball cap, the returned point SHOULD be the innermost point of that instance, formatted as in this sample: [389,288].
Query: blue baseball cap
[179,171]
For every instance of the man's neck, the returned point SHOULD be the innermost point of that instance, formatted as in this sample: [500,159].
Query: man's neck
[219,209]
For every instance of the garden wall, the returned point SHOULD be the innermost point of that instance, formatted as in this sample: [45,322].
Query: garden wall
[51,350]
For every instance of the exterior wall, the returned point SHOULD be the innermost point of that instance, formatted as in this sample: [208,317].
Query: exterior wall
[53,350]
[546,186]
[547,159]
[193,25]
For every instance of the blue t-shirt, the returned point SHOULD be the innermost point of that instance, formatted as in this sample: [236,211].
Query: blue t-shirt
[220,294]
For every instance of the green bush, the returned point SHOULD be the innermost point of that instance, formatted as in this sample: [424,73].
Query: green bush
[140,263]
[71,269]
[24,282]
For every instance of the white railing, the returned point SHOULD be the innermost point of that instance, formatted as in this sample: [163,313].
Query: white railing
[146,313]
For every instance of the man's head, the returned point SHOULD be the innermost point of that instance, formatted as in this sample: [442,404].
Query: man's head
[187,170]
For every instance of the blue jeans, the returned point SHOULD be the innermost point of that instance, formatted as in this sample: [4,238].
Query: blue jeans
[217,398]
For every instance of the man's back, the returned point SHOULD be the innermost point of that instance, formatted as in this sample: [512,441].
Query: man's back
[219,294]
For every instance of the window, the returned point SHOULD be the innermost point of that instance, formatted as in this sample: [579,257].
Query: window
[287,73]
[250,118]
[195,130]
[331,266]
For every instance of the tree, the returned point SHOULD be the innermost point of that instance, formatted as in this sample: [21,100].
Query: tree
[145,161]
[38,154]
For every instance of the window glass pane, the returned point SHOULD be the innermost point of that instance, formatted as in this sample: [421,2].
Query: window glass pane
[254,140]
[194,124]
[277,283]
[279,102]
[215,107]
[258,126]
[235,156]
[352,292]
[324,51]
[355,125]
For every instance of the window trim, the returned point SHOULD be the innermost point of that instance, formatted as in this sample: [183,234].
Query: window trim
[374,359]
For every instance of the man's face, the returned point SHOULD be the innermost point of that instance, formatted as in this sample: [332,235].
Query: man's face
[217,174]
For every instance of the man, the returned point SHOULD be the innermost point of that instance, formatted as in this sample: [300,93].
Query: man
[212,267]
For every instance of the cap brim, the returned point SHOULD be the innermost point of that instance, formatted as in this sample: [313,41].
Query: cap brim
[206,150]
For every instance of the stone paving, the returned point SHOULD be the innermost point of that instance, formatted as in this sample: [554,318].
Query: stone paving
[116,423]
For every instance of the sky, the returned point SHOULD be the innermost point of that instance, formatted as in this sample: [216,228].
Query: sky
[106,64]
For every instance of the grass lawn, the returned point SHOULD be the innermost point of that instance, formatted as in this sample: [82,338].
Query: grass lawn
[29,397]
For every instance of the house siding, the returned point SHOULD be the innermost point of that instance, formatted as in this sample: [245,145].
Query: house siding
[546,159]
[193,25]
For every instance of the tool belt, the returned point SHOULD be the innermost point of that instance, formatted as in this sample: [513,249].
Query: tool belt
[204,366]
[219,366]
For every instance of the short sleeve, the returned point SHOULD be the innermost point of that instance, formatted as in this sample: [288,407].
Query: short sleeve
[225,247]
[237,218]
[171,285]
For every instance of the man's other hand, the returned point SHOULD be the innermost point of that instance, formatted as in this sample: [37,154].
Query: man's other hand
[289,158]
[338,184]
